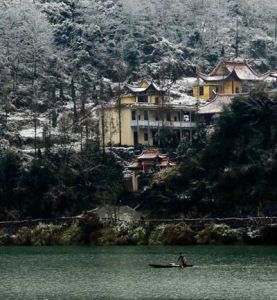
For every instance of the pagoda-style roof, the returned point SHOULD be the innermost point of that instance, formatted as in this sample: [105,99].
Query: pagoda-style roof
[217,104]
[150,154]
[240,69]
[147,159]
[144,87]
[273,74]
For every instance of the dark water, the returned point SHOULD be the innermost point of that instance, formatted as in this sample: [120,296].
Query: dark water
[220,272]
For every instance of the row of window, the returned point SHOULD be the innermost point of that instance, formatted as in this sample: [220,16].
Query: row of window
[176,117]
[144,99]
[202,93]
[183,134]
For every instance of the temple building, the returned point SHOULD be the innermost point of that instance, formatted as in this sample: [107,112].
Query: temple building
[142,110]
[228,77]
[147,161]
[228,80]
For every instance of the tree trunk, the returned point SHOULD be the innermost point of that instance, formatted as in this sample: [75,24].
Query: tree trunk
[73,96]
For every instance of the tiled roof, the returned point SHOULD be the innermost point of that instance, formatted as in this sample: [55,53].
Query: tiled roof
[211,78]
[240,68]
[244,71]
[138,89]
[217,104]
[135,89]
[150,154]
[147,158]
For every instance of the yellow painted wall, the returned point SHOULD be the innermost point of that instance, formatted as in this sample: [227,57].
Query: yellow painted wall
[152,99]
[226,87]
[127,100]
[207,92]
[112,126]
[230,86]
[141,137]
[127,132]
[111,117]
[134,99]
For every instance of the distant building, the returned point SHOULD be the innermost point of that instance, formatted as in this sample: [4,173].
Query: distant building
[215,106]
[228,77]
[143,109]
[273,76]
[109,213]
[228,80]
[147,161]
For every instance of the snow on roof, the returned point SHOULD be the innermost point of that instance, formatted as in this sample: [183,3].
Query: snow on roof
[238,67]
[217,104]
[137,88]
[244,71]
[184,99]
[211,77]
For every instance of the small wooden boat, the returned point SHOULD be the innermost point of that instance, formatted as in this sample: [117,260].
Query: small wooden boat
[171,265]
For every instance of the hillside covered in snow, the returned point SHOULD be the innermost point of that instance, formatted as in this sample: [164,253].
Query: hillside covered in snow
[64,56]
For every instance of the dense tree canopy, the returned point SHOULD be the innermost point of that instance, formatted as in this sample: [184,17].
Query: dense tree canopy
[232,171]
[57,185]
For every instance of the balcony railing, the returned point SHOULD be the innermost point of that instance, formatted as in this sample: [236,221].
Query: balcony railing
[156,124]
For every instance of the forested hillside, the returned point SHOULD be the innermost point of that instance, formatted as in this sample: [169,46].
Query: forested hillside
[50,48]
[60,58]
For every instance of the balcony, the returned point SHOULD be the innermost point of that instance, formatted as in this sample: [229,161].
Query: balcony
[156,124]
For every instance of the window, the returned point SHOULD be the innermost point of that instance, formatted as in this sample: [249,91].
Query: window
[156,100]
[145,136]
[143,99]
[134,114]
[217,89]
[237,90]
[186,118]
[201,91]
[135,138]
[168,118]
[145,115]
[175,118]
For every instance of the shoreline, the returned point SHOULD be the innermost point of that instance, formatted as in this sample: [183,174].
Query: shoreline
[88,230]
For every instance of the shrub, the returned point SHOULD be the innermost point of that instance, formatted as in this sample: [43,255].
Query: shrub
[156,236]
[218,234]
[46,234]
[269,234]
[108,237]
[178,234]
[71,235]
[4,238]
[23,236]
[139,236]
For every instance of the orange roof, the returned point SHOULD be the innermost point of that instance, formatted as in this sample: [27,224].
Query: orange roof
[150,154]
[147,159]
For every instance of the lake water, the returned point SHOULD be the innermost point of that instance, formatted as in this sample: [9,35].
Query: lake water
[220,272]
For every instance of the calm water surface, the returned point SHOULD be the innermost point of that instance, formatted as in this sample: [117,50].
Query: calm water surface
[220,272]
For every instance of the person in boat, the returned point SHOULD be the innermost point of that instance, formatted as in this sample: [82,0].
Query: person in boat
[182,259]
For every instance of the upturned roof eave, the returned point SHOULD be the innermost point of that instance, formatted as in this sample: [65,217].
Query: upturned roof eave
[208,77]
